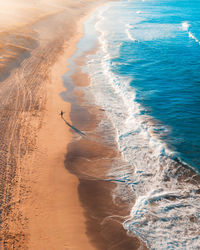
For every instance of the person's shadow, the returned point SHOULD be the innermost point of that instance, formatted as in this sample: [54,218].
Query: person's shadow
[72,127]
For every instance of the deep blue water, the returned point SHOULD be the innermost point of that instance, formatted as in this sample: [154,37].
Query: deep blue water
[164,64]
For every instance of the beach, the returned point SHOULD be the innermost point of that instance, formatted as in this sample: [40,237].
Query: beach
[99,135]
[43,205]
[40,208]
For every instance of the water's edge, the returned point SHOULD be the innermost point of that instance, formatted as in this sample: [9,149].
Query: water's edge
[91,157]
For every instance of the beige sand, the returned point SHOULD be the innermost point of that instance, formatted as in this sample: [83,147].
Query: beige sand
[56,218]
[39,199]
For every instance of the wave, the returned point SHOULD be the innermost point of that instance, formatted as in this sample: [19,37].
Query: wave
[193,37]
[130,37]
[185,27]
[166,212]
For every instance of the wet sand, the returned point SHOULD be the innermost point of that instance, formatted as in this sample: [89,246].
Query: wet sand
[91,158]
[39,202]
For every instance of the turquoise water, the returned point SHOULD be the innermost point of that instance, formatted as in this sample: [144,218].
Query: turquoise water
[164,65]
[145,75]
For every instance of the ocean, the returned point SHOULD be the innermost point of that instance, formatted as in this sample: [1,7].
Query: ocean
[145,74]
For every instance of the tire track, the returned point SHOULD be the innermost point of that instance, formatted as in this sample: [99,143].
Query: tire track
[23,100]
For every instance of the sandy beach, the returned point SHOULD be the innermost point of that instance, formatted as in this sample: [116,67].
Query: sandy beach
[40,208]
[45,198]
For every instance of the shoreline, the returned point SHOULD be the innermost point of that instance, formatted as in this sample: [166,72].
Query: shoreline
[46,212]
[91,158]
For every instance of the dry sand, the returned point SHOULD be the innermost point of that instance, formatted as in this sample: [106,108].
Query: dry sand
[40,207]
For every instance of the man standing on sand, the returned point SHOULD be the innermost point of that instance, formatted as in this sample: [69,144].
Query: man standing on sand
[61,113]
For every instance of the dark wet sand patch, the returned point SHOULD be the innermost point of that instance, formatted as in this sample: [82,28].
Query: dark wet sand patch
[90,159]
[104,224]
